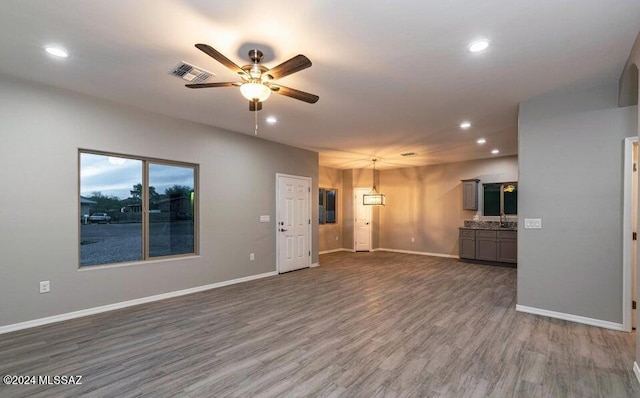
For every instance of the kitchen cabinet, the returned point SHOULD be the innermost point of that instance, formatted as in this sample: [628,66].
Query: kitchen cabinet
[470,194]
[507,250]
[489,245]
[486,245]
[467,243]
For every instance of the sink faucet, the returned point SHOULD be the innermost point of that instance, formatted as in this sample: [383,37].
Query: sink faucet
[503,220]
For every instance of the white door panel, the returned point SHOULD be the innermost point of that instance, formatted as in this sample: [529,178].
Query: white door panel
[293,222]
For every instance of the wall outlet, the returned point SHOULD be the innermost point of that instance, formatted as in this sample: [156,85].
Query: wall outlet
[252,256]
[533,223]
[413,239]
[337,238]
[45,287]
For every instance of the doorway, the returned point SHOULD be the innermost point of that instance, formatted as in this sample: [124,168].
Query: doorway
[362,224]
[629,233]
[293,222]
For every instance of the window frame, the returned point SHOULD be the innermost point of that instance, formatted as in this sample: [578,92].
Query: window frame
[145,208]
[322,218]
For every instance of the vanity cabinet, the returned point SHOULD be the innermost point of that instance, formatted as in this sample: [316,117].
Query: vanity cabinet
[507,249]
[486,245]
[467,243]
[470,194]
[489,245]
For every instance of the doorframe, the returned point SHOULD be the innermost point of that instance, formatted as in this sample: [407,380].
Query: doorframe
[310,231]
[627,230]
[355,213]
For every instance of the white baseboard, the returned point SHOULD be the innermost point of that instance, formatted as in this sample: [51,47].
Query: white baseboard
[636,370]
[315,265]
[110,307]
[335,250]
[381,249]
[569,317]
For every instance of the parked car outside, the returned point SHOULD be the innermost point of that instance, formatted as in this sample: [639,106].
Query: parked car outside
[100,218]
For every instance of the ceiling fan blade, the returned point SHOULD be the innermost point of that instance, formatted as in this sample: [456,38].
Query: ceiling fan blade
[255,106]
[293,93]
[213,53]
[208,85]
[293,65]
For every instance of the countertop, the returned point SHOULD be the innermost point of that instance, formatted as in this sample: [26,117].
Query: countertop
[492,228]
[491,225]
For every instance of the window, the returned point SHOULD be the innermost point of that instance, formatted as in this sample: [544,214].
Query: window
[134,209]
[327,206]
[500,198]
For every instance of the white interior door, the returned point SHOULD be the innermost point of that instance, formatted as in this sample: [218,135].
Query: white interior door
[362,224]
[293,222]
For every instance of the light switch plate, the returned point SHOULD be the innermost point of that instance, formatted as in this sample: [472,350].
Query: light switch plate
[265,218]
[533,223]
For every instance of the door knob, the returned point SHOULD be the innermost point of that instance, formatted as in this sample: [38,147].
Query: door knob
[282,229]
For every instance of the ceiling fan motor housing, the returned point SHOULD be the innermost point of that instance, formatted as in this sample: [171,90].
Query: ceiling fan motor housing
[255,56]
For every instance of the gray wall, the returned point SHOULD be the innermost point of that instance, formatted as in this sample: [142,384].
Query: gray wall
[41,129]
[347,216]
[330,235]
[629,88]
[426,202]
[571,167]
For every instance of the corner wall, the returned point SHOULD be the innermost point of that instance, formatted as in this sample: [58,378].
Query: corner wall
[41,129]
[629,89]
[571,168]
[330,235]
[425,203]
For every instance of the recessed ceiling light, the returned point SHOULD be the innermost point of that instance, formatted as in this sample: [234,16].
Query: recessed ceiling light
[465,125]
[481,141]
[478,46]
[271,119]
[495,151]
[58,52]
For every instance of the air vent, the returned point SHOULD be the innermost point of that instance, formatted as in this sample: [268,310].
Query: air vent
[408,154]
[190,73]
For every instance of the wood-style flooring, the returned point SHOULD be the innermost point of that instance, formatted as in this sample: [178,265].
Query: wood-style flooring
[360,325]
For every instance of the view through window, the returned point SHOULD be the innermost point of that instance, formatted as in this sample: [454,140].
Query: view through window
[327,206]
[500,198]
[125,219]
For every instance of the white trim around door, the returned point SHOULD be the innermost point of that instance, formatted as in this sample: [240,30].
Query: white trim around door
[627,231]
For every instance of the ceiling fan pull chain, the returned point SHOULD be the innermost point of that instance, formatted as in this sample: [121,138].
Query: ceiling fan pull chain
[256,118]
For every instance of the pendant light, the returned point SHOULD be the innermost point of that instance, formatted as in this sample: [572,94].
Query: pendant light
[374,198]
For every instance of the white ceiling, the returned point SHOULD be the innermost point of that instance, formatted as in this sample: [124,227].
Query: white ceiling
[392,77]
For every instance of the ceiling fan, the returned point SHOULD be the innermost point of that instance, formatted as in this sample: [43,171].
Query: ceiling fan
[257,80]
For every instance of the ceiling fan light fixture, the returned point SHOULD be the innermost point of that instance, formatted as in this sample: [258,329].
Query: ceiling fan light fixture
[255,91]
